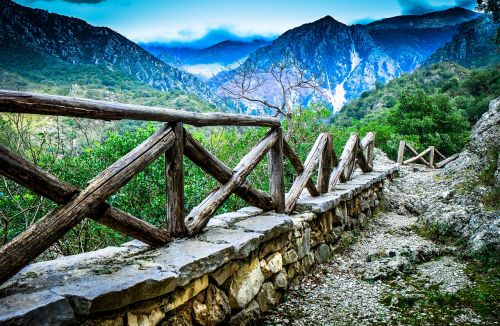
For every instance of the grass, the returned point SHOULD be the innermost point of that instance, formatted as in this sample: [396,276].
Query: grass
[428,305]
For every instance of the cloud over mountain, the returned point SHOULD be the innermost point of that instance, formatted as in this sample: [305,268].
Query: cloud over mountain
[419,7]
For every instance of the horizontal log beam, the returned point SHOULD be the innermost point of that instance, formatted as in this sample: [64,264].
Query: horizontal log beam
[201,214]
[43,233]
[299,167]
[22,102]
[222,173]
[300,182]
[44,184]
[325,165]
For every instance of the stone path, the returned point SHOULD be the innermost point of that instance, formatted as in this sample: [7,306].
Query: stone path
[375,281]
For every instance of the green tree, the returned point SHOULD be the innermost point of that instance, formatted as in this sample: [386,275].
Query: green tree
[430,120]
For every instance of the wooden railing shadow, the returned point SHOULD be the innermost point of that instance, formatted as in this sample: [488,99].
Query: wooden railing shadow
[173,141]
[431,151]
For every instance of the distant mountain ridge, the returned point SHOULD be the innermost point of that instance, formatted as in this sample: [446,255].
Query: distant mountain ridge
[473,45]
[411,39]
[75,41]
[354,59]
[205,61]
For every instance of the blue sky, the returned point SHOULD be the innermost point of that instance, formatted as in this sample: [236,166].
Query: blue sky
[188,20]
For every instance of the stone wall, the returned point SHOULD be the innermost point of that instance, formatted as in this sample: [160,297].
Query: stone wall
[239,267]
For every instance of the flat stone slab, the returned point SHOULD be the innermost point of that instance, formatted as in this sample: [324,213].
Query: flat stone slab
[270,225]
[37,308]
[54,292]
[344,191]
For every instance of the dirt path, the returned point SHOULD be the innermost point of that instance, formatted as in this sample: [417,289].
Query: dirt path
[389,275]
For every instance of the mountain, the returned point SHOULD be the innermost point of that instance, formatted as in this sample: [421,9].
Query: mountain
[474,45]
[345,59]
[74,41]
[411,39]
[348,60]
[205,62]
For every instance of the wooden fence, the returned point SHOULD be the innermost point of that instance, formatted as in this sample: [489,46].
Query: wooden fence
[431,151]
[173,141]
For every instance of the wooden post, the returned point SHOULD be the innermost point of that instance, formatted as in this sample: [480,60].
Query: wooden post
[431,156]
[276,176]
[325,165]
[401,152]
[174,174]
[42,234]
[370,155]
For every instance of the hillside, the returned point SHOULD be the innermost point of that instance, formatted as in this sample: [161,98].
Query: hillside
[76,42]
[473,45]
[28,70]
[411,39]
[471,91]
[205,62]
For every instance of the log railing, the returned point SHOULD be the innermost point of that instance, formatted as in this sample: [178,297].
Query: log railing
[173,141]
[431,151]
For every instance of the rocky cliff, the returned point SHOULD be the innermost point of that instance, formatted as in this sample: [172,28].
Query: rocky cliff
[473,45]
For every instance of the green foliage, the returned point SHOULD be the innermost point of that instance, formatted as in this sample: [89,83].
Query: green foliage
[24,69]
[431,306]
[469,90]
[430,121]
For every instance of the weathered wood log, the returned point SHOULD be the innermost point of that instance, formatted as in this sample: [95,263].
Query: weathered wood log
[419,156]
[174,174]
[217,169]
[276,176]
[439,154]
[401,152]
[299,168]
[44,184]
[431,156]
[42,234]
[446,161]
[201,214]
[362,160]
[369,138]
[368,142]
[300,182]
[325,165]
[21,102]
[345,160]
[351,166]
[414,152]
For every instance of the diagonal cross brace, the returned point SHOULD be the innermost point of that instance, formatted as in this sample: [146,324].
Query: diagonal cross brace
[44,184]
[42,234]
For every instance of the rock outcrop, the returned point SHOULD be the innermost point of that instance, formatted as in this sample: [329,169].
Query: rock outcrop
[462,200]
